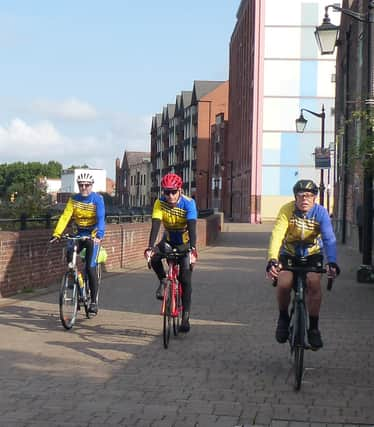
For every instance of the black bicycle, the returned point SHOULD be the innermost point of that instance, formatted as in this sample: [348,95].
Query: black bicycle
[75,290]
[299,318]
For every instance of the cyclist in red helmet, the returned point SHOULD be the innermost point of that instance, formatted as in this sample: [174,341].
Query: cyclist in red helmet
[178,214]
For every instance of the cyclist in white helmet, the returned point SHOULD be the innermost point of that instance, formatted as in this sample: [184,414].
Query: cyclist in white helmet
[87,211]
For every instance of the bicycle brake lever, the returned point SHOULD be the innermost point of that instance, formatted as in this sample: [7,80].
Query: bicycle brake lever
[329,283]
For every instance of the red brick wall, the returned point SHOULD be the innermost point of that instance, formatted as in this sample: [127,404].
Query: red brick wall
[27,261]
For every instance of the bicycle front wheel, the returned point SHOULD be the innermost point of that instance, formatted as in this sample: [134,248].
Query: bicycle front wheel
[177,319]
[167,315]
[300,325]
[68,300]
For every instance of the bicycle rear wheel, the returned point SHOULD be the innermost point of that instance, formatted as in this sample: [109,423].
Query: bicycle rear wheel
[167,315]
[68,300]
[178,301]
[299,345]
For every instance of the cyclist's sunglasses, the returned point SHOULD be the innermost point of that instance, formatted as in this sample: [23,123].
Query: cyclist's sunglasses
[168,192]
[307,196]
[84,184]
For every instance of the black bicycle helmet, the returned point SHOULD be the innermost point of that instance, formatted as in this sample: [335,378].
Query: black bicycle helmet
[305,185]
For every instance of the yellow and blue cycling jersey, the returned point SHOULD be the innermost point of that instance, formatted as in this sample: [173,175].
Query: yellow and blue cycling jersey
[88,214]
[175,218]
[302,234]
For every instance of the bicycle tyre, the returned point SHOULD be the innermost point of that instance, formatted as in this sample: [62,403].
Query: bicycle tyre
[178,301]
[299,345]
[68,300]
[167,315]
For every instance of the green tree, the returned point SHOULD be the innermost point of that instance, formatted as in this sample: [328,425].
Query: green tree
[25,173]
[72,167]
[363,149]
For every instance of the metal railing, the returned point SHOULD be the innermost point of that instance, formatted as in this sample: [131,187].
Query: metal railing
[25,223]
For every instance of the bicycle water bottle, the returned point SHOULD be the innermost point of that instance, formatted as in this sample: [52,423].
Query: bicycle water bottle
[81,285]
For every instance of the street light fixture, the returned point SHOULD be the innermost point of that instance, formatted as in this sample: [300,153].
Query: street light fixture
[326,35]
[300,127]
[368,174]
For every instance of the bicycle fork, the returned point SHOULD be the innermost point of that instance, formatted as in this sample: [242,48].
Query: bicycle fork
[298,325]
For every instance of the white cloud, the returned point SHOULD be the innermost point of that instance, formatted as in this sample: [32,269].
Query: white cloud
[70,109]
[133,132]
[42,141]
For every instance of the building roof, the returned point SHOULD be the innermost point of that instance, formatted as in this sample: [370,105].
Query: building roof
[178,102]
[136,157]
[186,98]
[202,88]
[158,119]
[171,111]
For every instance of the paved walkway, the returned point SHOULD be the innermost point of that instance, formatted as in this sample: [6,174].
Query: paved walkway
[228,371]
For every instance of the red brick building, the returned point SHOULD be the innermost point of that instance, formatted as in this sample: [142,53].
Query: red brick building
[183,141]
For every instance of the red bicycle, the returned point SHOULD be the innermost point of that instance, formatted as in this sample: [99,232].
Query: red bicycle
[171,307]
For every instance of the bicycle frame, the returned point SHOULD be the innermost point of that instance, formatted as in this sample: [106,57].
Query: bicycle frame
[72,265]
[173,281]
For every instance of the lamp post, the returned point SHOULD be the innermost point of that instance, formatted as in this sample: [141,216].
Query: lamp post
[326,36]
[300,127]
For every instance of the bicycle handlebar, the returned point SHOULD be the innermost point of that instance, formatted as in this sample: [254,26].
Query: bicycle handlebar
[307,269]
[170,256]
[71,237]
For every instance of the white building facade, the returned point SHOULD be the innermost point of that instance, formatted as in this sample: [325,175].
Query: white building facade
[295,77]
[69,180]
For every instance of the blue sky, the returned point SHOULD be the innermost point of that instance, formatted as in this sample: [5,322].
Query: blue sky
[81,79]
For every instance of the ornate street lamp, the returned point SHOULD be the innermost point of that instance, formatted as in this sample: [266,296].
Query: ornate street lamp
[326,35]
[301,123]
[300,127]
[367,18]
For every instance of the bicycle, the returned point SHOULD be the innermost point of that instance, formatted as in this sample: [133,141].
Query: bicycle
[299,319]
[75,290]
[171,306]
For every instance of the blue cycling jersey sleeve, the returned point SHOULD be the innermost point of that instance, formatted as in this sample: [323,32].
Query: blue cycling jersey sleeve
[327,234]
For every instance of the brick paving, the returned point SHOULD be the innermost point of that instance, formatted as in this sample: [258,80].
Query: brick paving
[228,371]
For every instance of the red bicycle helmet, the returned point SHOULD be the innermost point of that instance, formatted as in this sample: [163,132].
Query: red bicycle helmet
[171,181]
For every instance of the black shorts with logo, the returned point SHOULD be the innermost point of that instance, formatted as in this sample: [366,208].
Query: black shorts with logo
[310,261]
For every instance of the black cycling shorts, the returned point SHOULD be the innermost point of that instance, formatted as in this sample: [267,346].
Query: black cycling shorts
[310,261]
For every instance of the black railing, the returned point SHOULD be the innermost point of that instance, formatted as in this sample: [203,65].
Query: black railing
[25,223]
[120,219]
[204,213]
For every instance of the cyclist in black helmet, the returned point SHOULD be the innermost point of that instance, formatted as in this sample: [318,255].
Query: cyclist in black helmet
[302,229]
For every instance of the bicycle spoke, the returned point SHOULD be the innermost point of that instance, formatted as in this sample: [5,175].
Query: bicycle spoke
[167,315]
[68,301]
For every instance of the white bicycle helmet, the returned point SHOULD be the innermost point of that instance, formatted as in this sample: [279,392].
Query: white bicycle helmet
[85,177]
